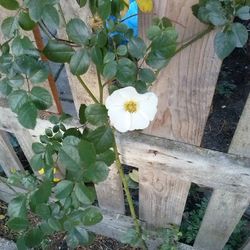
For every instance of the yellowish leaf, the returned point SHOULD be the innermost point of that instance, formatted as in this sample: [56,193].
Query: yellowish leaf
[145,6]
[134,175]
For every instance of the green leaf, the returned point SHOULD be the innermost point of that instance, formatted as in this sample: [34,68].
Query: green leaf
[121,50]
[36,8]
[91,216]
[58,52]
[69,157]
[17,99]
[104,9]
[81,3]
[108,157]
[132,237]
[126,71]
[147,75]
[224,44]
[9,4]
[38,148]
[18,223]
[9,26]
[51,17]
[16,81]
[17,207]
[79,62]
[137,47]
[54,224]
[97,172]
[156,60]
[217,18]
[96,56]
[82,114]
[23,46]
[39,73]
[54,119]
[241,34]
[6,62]
[41,195]
[27,115]
[37,162]
[25,22]
[5,88]
[110,56]
[84,194]
[33,237]
[243,13]
[43,211]
[41,98]
[96,114]
[110,70]
[63,189]
[77,31]
[20,243]
[87,152]
[153,31]
[102,138]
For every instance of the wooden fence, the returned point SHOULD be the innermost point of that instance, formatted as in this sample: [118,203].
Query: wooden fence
[167,154]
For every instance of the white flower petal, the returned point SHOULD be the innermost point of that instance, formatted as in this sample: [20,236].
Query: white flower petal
[138,121]
[115,99]
[148,105]
[120,119]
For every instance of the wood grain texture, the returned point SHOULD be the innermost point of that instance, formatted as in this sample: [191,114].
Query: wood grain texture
[186,86]
[194,164]
[110,192]
[4,13]
[8,158]
[222,215]
[241,141]
[162,198]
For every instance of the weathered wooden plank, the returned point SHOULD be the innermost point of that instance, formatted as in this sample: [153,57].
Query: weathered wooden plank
[246,245]
[202,166]
[241,141]
[222,215]
[186,86]
[162,198]
[110,192]
[225,209]
[8,158]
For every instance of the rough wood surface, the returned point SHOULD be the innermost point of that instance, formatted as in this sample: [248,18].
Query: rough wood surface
[186,86]
[222,215]
[241,141]
[110,192]
[8,157]
[162,198]
[194,164]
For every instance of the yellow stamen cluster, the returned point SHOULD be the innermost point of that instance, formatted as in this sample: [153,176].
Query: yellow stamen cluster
[131,106]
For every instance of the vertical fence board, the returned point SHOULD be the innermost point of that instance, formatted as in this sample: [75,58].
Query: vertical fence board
[226,209]
[8,157]
[222,215]
[185,90]
[246,245]
[110,192]
[163,198]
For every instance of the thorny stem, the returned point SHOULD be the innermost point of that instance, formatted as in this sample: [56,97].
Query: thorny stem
[194,39]
[127,192]
[100,85]
[87,89]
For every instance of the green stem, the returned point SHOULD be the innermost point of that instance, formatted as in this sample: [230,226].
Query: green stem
[100,85]
[194,39]
[87,89]
[127,192]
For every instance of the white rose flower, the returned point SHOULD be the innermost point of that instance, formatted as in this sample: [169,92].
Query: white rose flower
[129,110]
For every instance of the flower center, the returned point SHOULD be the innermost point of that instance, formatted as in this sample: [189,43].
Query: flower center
[131,106]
